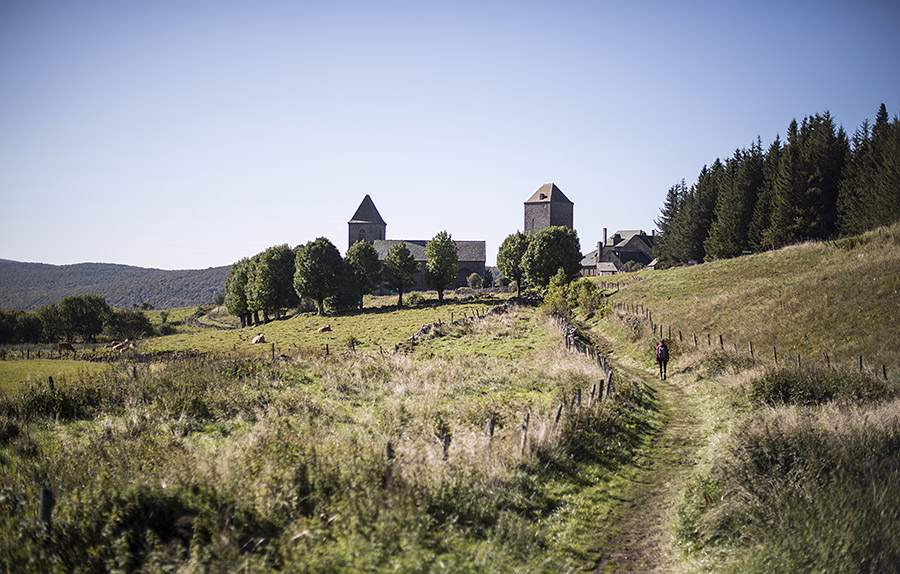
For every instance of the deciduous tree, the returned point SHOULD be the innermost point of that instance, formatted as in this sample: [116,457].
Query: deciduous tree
[509,258]
[441,263]
[400,269]
[364,269]
[551,249]
[236,291]
[319,272]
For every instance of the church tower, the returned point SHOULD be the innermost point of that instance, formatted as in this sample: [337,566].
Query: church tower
[366,224]
[546,207]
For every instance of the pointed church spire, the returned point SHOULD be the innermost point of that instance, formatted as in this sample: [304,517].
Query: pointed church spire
[367,213]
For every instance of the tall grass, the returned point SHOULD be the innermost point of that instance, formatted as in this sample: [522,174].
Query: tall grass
[268,465]
[809,482]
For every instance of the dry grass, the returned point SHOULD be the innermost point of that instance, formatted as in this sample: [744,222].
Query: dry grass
[838,298]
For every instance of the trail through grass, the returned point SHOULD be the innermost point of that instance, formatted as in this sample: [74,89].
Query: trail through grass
[640,539]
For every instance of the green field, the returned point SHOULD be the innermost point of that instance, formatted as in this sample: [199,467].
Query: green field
[14,373]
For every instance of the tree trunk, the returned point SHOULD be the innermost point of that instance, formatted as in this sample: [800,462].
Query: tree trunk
[440,295]
[400,298]
[320,306]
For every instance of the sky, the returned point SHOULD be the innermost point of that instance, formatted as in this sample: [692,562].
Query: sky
[189,134]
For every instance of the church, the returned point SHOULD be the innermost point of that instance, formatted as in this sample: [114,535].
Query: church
[368,225]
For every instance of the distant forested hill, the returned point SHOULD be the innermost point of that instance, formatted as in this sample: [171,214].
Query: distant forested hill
[29,286]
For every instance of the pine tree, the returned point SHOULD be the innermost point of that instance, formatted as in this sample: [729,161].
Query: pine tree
[741,182]
[762,211]
[886,141]
[668,245]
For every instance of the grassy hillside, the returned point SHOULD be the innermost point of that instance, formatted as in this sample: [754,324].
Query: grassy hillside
[29,286]
[796,468]
[840,298]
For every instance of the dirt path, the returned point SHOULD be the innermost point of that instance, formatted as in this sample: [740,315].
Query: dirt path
[644,523]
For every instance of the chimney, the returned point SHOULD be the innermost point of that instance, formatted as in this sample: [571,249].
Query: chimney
[604,236]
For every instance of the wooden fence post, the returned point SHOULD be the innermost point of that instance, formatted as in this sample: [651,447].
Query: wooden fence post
[389,451]
[694,336]
[721,343]
[827,359]
[45,506]
[860,363]
[775,354]
[446,444]
[750,346]
[884,371]
[525,431]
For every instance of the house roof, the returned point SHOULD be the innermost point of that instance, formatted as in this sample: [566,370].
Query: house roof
[590,259]
[548,193]
[607,267]
[367,213]
[466,250]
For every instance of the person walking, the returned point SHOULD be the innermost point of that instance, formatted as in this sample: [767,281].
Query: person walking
[662,358]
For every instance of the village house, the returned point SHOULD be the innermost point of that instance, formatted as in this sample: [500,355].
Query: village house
[614,253]
[368,225]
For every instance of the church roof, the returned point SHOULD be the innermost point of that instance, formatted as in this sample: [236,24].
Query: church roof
[548,193]
[467,251]
[367,213]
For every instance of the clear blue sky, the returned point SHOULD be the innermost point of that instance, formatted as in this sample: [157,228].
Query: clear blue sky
[188,134]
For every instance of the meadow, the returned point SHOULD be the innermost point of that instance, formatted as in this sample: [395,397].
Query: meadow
[480,446]
[436,458]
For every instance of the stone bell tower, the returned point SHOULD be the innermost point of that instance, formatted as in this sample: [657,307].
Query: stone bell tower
[366,224]
[546,207]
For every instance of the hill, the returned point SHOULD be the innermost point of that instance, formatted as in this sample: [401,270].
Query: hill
[836,297]
[29,286]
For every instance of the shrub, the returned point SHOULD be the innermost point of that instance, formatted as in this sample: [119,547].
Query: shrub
[475,281]
[414,299]
[809,387]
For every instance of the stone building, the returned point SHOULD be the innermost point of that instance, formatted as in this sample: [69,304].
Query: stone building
[613,253]
[368,225]
[548,206]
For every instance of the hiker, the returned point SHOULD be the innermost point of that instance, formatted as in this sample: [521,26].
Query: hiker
[662,357]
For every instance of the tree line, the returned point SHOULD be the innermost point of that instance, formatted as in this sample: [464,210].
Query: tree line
[81,317]
[816,185]
[279,278]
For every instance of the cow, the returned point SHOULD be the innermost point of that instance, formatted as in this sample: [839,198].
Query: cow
[64,346]
[324,328]
[259,339]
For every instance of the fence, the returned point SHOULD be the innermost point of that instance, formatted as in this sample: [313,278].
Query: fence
[671,331]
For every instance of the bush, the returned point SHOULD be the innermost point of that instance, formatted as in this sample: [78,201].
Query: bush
[475,281]
[414,299]
[808,387]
